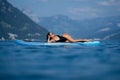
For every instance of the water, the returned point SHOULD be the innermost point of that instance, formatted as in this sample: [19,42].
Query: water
[60,63]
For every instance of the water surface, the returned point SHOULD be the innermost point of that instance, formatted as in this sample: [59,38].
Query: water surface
[60,63]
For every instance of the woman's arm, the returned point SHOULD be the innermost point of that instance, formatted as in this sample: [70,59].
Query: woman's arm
[50,40]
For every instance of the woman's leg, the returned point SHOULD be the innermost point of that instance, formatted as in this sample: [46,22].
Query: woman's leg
[70,39]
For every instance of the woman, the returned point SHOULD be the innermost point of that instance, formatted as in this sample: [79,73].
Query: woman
[64,38]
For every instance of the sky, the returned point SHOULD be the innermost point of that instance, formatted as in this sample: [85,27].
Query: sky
[75,9]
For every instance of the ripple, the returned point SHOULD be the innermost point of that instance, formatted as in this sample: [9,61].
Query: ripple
[63,62]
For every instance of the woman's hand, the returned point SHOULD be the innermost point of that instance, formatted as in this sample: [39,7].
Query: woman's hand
[51,39]
[48,37]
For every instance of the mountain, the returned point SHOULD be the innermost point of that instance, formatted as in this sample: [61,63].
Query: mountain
[103,28]
[15,24]
[61,24]
[109,27]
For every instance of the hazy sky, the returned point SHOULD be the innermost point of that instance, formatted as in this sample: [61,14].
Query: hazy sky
[75,9]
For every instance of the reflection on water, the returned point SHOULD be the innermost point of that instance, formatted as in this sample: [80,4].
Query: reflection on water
[60,63]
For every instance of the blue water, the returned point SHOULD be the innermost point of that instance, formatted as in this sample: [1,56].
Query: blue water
[60,63]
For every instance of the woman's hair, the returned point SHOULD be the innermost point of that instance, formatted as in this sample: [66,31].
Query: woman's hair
[48,35]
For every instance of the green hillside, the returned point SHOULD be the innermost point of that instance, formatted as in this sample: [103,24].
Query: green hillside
[16,25]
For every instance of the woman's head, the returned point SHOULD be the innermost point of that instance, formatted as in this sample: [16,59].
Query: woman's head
[50,34]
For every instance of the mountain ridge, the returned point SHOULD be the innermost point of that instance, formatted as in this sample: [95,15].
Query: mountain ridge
[16,25]
[94,28]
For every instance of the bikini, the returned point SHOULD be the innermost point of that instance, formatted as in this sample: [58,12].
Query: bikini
[62,39]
